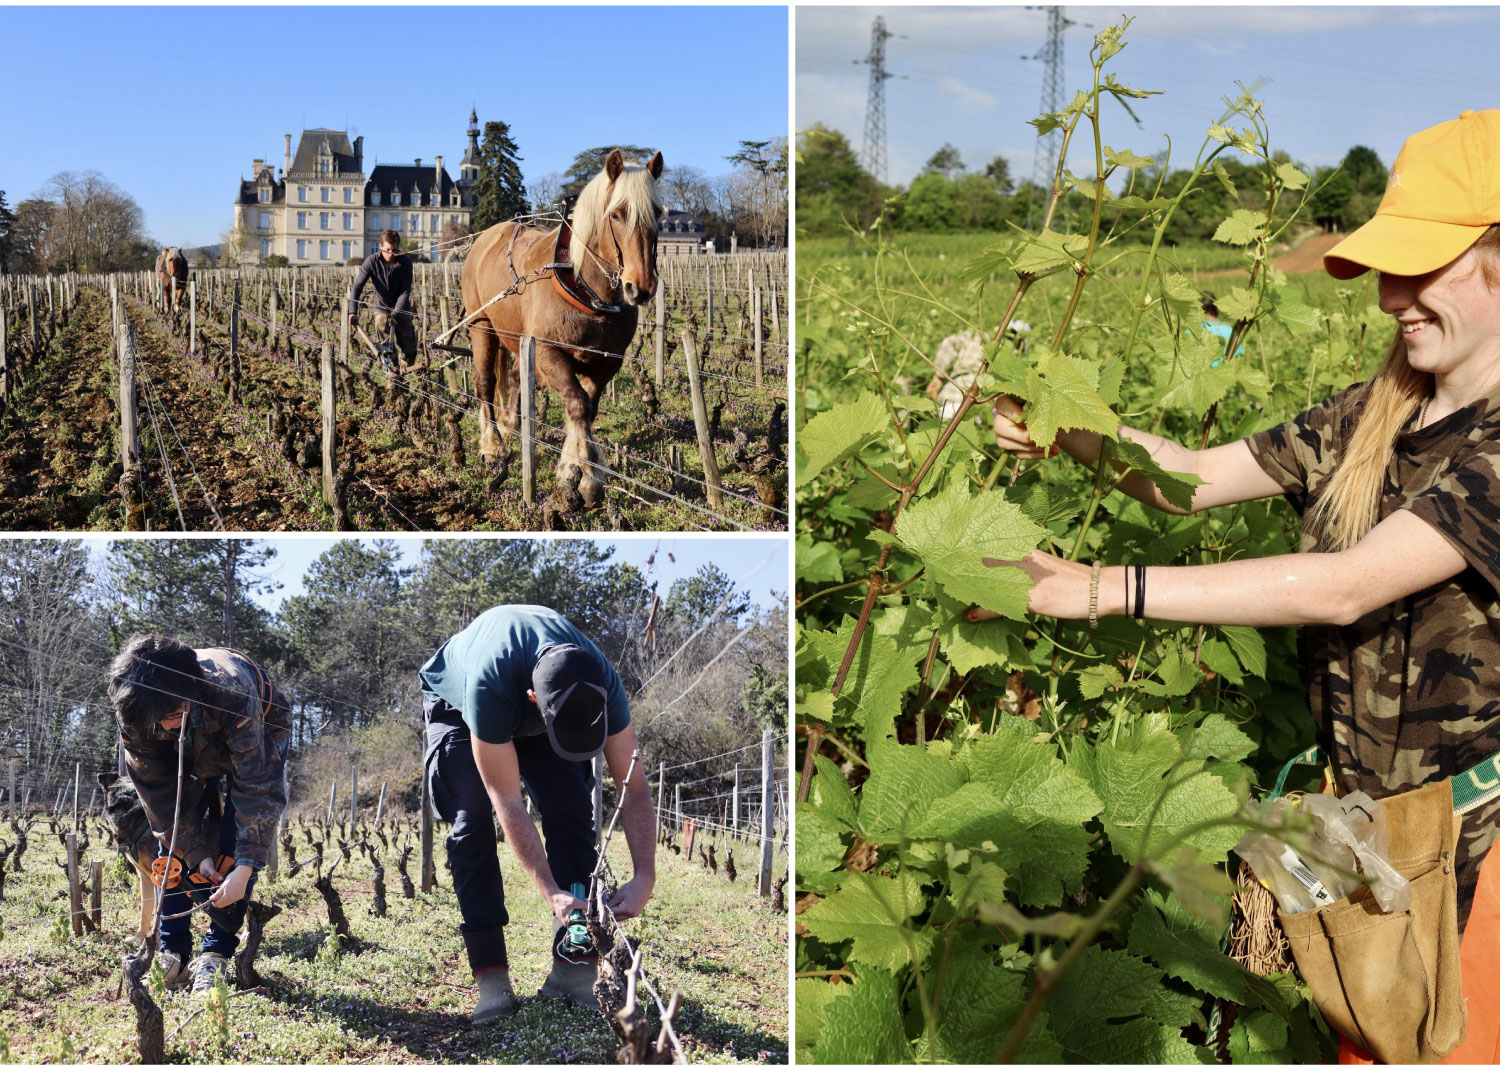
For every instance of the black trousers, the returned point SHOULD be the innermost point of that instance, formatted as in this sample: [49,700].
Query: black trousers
[563,794]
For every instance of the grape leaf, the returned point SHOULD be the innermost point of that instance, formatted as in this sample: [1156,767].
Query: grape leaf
[1240,228]
[980,1004]
[1049,249]
[869,910]
[814,997]
[1103,987]
[1178,291]
[817,704]
[904,783]
[1130,776]
[820,849]
[840,432]
[1249,647]
[1224,179]
[818,563]
[1094,681]
[830,793]
[1124,157]
[1188,948]
[1290,176]
[953,533]
[879,675]
[1176,488]
[1045,503]
[863,1025]
[1216,737]
[1237,305]
[1062,394]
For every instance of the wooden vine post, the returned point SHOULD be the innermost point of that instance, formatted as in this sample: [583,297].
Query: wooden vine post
[700,422]
[330,431]
[193,315]
[4,370]
[75,887]
[130,446]
[429,872]
[96,894]
[755,318]
[598,798]
[527,370]
[661,331]
[767,808]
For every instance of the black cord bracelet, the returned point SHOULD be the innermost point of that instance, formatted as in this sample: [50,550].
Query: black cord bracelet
[1140,592]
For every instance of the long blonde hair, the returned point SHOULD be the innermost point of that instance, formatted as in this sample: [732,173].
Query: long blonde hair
[1350,507]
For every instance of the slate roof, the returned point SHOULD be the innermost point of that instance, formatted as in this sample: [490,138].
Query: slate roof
[311,142]
[387,177]
[250,193]
[681,224]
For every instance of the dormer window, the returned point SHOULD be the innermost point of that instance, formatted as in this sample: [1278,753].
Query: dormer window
[375,197]
[396,197]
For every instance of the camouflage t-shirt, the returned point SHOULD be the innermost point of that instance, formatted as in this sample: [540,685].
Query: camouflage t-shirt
[1410,693]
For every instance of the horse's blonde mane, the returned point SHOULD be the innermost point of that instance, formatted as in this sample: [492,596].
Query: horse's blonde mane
[634,190]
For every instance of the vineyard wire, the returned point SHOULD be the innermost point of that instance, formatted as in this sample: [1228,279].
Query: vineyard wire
[701,675]
[720,755]
[161,450]
[192,467]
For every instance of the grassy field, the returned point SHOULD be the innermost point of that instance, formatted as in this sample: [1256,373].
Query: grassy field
[403,993]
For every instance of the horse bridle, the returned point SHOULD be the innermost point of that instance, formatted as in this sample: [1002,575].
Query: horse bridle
[564,271]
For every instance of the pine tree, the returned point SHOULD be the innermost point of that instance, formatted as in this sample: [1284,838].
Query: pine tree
[590,162]
[501,189]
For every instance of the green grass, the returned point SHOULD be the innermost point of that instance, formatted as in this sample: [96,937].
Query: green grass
[404,993]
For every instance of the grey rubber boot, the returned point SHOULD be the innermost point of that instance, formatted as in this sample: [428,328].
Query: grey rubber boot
[497,999]
[573,981]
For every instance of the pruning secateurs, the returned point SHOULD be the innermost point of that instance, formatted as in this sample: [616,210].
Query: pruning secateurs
[576,942]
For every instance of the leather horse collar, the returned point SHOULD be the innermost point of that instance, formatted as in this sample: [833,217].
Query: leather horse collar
[569,281]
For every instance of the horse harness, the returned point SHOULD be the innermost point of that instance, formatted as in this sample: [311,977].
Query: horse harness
[569,281]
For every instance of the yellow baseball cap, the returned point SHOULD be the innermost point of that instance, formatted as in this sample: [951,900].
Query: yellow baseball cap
[1442,194]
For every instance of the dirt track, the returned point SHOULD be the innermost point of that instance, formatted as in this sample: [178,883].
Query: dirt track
[1306,258]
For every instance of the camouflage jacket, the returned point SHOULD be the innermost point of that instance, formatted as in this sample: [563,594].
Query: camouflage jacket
[241,731]
[1410,693]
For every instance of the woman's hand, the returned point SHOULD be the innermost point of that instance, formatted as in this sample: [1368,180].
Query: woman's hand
[1011,433]
[1061,589]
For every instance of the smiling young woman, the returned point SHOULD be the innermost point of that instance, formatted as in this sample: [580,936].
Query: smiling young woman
[1397,581]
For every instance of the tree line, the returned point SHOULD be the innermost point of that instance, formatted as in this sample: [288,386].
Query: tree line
[78,222]
[835,193]
[346,649]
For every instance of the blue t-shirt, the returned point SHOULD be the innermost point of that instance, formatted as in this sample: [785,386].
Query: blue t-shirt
[484,672]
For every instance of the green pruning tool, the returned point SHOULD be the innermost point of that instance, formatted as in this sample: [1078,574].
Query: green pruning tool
[576,941]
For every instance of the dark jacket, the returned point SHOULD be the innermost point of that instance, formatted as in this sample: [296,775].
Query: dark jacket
[241,728]
[391,281]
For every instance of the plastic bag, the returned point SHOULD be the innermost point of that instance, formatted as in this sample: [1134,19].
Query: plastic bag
[1344,848]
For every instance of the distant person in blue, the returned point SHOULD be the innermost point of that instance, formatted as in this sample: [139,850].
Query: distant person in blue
[1223,330]
[520,695]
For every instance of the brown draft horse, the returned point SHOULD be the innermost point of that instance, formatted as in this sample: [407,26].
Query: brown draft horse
[172,271]
[610,244]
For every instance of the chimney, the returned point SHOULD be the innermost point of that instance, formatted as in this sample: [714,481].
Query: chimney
[255,168]
[437,175]
[359,153]
[419,161]
[288,168]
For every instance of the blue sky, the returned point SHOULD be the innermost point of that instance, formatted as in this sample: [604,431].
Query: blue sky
[1337,76]
[756,564]
[690,81]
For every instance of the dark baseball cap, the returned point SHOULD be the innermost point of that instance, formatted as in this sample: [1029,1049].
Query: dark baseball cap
[570,693]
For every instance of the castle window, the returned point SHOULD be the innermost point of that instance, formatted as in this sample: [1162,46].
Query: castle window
[396,197]
[416,223]
[322,249]
[302,194]
[327,193]
[375,197]
[265,249]
[396,221]
[348,224]
[301,249]
[265,220]
[374,220]
[323,220]
[346,249]
[301,219]
[348,196]
[265,196]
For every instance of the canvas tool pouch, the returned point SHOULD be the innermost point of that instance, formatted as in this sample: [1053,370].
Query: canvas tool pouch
[1390,982]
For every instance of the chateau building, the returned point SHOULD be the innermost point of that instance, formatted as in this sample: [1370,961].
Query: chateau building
[322,209]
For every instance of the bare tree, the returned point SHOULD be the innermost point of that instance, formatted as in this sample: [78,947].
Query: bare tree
[761,183]
[100,227]
[545,191]
[236,244]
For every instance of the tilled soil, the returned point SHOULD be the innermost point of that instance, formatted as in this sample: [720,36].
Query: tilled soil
[249,458]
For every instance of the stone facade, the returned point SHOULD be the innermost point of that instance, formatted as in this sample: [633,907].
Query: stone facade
[323,209]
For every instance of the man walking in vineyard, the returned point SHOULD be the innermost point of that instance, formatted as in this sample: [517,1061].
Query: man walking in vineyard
[521,695]
[1397,583]
[217,709]
[389,273]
